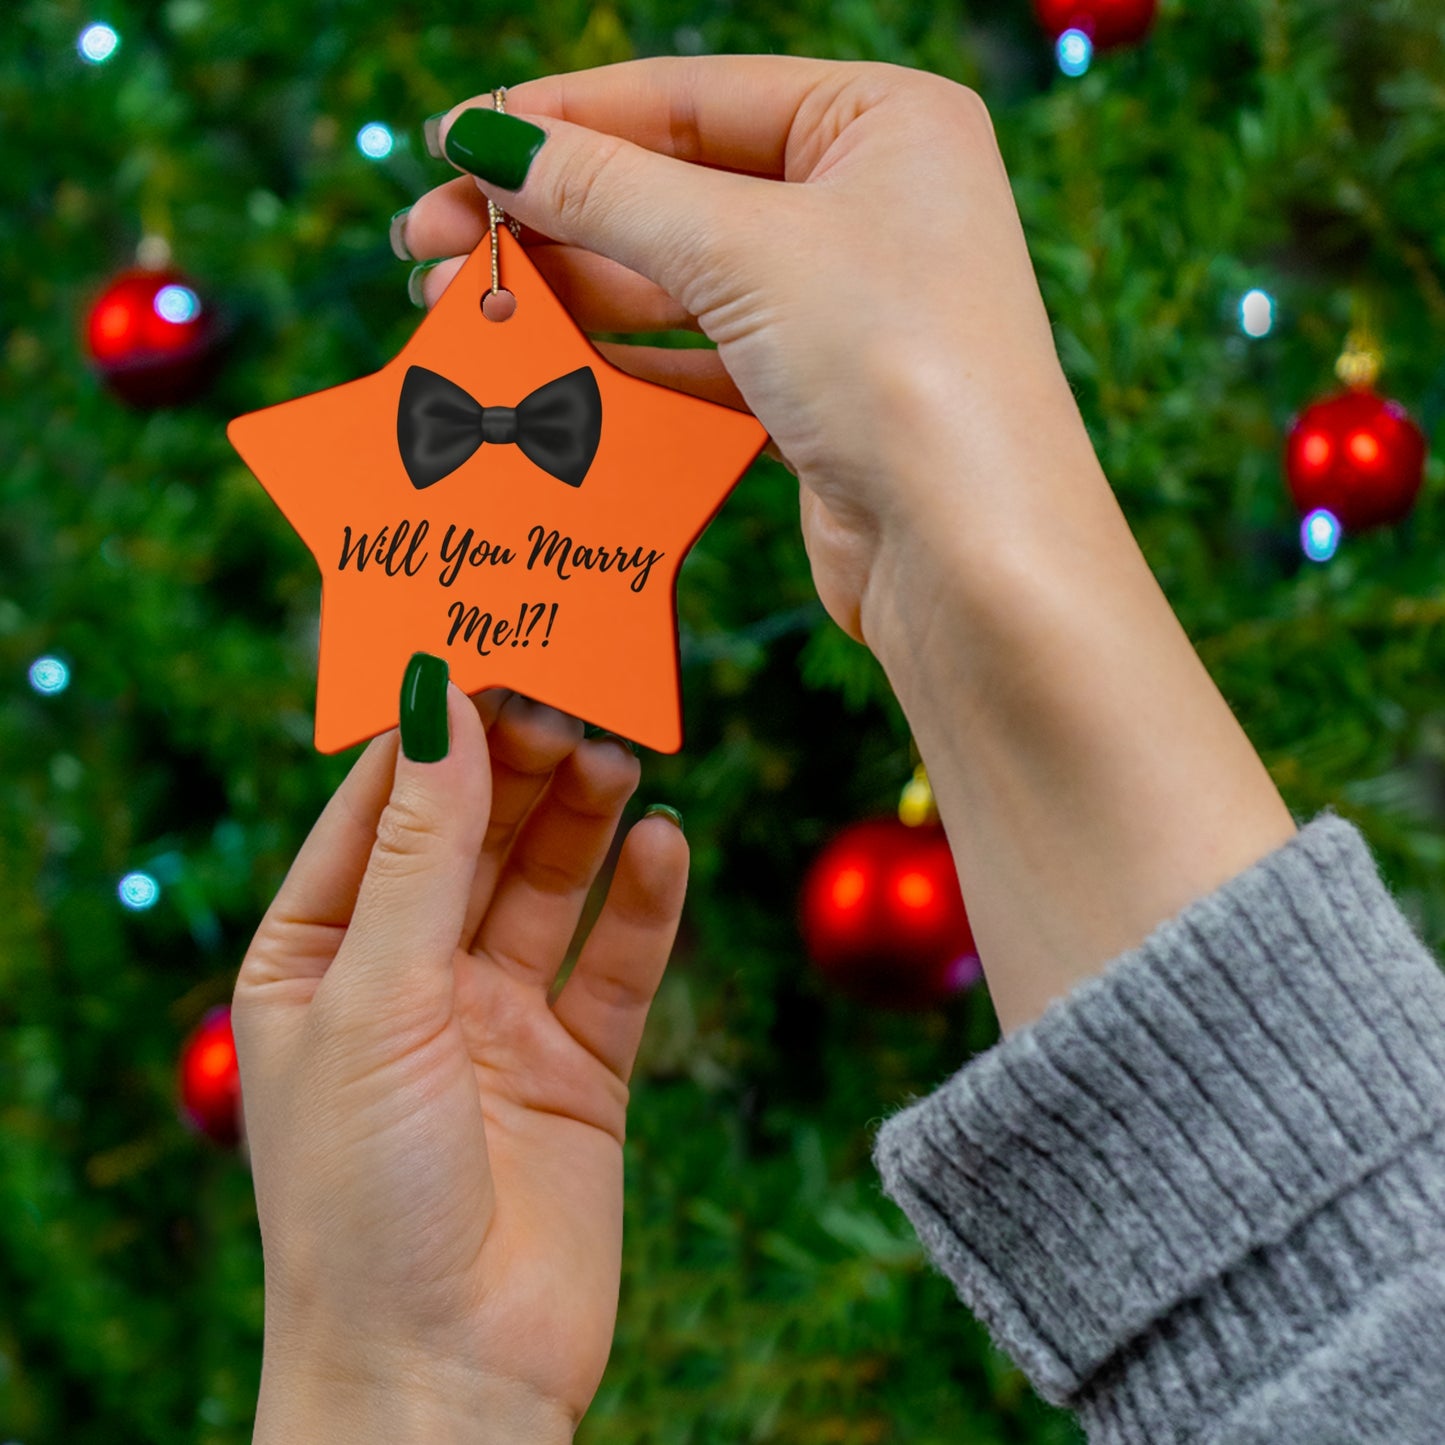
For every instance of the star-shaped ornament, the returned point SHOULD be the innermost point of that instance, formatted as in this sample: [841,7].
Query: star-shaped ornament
[502,496]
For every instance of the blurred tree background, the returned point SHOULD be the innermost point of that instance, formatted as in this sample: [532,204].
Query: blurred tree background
[770,1291]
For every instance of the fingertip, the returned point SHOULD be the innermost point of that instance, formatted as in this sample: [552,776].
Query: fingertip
[426,282]
[435,127]
[600,773]
[431,134]
[543,725]
[489,704]
[456,764]
[659,851]
[467,728]
[664,810]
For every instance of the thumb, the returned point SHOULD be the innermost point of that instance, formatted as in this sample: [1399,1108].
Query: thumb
[395,963]
[669,220]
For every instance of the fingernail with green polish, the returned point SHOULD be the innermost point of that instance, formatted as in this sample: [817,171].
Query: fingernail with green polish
[606,737]
[431,133]
[425,736]
[498,148]
[397,234]
[413,283]
[671,814]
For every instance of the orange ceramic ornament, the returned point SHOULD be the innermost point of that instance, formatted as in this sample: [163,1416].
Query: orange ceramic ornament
[503,497]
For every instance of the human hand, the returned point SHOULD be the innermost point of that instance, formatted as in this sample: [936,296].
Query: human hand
[436,1149]
[884,297]
[848,237]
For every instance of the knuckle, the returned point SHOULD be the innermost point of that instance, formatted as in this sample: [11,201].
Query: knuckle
[648,914]
[408,834]
[927,91]
[888,73]
[548,876]
[576,195]
[937,103]
[974,108]
[617,991]
[684,132]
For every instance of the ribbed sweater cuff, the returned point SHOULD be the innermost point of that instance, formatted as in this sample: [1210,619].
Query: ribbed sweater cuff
[1159,1133]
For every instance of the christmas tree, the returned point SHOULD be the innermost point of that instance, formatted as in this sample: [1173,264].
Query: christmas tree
[1212,213]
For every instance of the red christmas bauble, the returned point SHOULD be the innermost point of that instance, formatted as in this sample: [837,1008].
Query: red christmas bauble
[1359,456]
[883,916]
[210,1080]
[152,338]
[1107,23]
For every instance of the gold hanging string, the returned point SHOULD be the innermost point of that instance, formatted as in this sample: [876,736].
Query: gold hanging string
[916,806]
[1360,362]
[153,253]
[494,211]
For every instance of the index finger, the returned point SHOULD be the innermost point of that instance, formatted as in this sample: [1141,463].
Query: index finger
[734,112]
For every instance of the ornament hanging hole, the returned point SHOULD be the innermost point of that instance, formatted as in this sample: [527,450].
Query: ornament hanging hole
[499,305]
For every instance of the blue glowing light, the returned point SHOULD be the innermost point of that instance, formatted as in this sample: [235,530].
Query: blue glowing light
[1256,313]
[177,303]
[49,675]
[97,43]
[1075,52]
[375,141]
[138,891]
[1320,535]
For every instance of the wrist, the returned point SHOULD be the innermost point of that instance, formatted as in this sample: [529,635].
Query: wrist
[320,1403]
[1092,779]
[977,511]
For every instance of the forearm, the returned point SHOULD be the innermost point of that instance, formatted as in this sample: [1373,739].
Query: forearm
[1092,779]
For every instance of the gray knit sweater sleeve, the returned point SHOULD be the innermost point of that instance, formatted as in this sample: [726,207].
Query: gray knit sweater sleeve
[1202,1199]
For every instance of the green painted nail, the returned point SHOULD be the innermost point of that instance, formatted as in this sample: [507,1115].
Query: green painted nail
[413,283]
[425,736]
[431,133]
[397,235]
[498,148]
[671,814]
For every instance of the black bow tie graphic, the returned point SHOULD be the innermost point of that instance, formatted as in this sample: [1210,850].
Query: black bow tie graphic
[438,425]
